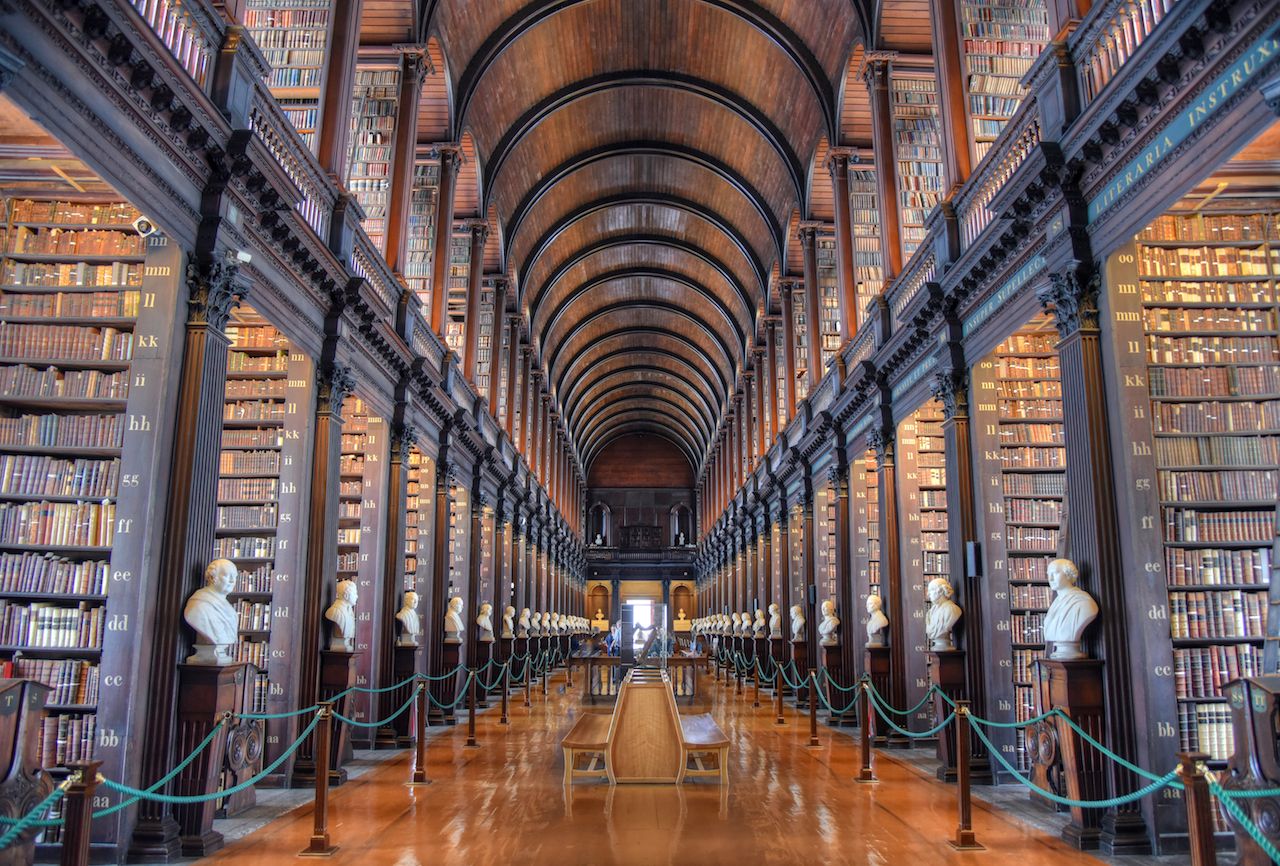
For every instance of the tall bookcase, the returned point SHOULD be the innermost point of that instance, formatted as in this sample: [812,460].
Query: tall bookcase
[484,345]
[1197,343]
[293,36]
[1019,438]
[503,342]
[460,545]
[824,545]
[923,539]
[917,142]
[374,101]
[1002,38]
[459,275]
[780,377]
[800,316]
[422,228]
[828,299]
[864,497]
[868,258]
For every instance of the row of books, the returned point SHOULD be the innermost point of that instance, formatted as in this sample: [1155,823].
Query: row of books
[33,274]
[252,652]
[297,57]
[72,212]
[290,77]
[1212,416]
[349,509]
[250,438]
[54,305]
[1214,228]
[247,516]
[1029,569]
[1206,728]
[66,738]
[249,463]
[1011,65]
[291,35]
[1032,434]
[1028,368]
[260,578]
[44,624]
[993,106]
[260,388]
[42,475]
[1024,661]
[58,524]
[52,575]
[348,561]
[1218,450]
[1196,486]
[240,362]
[1032,538]
[254,615]
[1225,613]
[1213,381]
[238,489]
[1208,319]
[244,336]
[1029,409]
[56,342]
[1212,350]
[1190,524]
[1201,672]
[1173,291]
[351,464]
[252,410]
[1210,566]
[69,242]
[1026,628]
[1025,388]
[74,681]
[349,537]
[1034,596]
[1208,262]
[245,547]
[57,383]
[1034,485]
[1033,458]
[1033,511]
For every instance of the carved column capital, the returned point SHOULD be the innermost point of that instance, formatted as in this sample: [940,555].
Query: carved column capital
[881,442]
[479,230]
[335,382]
[1072,296]
[403,438]
[212,292]
[950,387]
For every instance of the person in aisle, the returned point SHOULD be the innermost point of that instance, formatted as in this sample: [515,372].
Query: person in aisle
[212,617]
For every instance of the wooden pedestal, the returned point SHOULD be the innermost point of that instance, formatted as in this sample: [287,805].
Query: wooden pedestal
[504,650]
[486,651]
[878,666]
[447,689]
[337,674]
[22,786]
[778,652]
[833,664]
[947,673]
[246,740]
[1254,704]
[404,666]
[800,655]
[205,693]
[1076,688]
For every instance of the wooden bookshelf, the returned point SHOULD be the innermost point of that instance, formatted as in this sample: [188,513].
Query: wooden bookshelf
[459,276]
[422,228]
[460,546]
[864,493]
[828,298]
[917,143]
[293,36]
[824,530]
[374,102]
[800,316]
[1002,39]
[503,342]
[1019,438]
[868,258]
[484,345]
[922,538]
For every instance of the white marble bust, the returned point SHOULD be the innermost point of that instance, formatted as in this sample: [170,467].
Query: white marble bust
[535,624]
[453,626]
[545,626]
[212,617]
[1070,613]
[680,616]
[522,625]
[407,616]
[484,622]
[759,626]
[744,624]
[877,622]
[943,615]
[508,617]
[735,624]
[775,621]
[599,614]
[342,614]
[599,540]
[797,623]
[829,628]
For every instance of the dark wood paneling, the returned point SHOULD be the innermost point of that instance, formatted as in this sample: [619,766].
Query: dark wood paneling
[640,461]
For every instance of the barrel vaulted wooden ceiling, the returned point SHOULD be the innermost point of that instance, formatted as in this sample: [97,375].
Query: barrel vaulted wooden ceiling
[643,164]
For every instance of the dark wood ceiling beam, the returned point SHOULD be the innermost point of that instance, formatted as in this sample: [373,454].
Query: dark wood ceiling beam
[664,418]
[764,21]
[641,333]
[628,428]
[568,391]
[584,389]
[643,387]
[652,199]
[719,95]
[651,148]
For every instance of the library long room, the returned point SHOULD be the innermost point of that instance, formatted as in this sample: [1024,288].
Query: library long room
[640,431]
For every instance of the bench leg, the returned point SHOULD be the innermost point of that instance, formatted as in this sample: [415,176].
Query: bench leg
[568,766]
[723,760]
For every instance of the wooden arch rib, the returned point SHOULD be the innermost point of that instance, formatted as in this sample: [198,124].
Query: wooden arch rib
[636,337]
[639,387]
[652,403]
[597,382]
[751,13]
[669,80]
[629,428]
[655,347]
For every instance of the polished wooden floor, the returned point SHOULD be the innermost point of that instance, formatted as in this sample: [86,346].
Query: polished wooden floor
[504,804]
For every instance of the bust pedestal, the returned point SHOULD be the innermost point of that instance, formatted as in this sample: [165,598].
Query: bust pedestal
[800,655]
[778,652]
[399,734]
[502,650]
[1076,688]
[485,652]
[946,671]
[23,787]
[878,666]
[337,674]
[446,690]
[833,663]
[205,692]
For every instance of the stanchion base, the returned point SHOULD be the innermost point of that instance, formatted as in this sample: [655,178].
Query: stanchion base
[417,784]
[471,747]
[966,842]
[318,850]
[869,779]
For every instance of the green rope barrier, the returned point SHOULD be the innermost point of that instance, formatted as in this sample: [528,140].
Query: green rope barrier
[1228,801]
[915,735]
[1162,782]
[382,691]
[441,677]
[391,718]
[289,714]
[1236,794]
[462,696]
[771,678]
[1016,724]
[32,818]
[830,679]
[1128,765]
[823,697]
[488,687]
[794,686]
[139,794]
[880,700]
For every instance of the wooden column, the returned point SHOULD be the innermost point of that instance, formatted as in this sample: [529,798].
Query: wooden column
[519,568]
[812,311]
[771,421]
[527,388]
[476,539]
[188,535]
[535,422]
[839,478]
[479,230]
[787,288]
[882,442]
[1093,528]
[514,351]
[333,383]
[402,438]
[809,544]
[957,160]
[333,139]
[762,405]
[878,70]
[502,561]
[414,66]
[766,555]
[748,418]
[500,285]
[439,600]
[450,161]
[838,167]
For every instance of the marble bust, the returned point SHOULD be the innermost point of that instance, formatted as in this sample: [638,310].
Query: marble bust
[342,614]
[943,615]
[212,617]
[758,628]
[744,624]
[797,623]
[508,618]
[775,621]
[877,622]
[599,541]
[599,614]
[735,624]
[407,616]
[545,625]
[522,625]
[829,628]
[484,621]
[555,623]
[453,626]
[1070,613]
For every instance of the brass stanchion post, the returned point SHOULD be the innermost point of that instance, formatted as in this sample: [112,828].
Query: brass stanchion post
[319,845]
[506,689]
[420,739]
[965,840]
[77,812]
[813,708]
[865,774]
[1199,807]
[471,711]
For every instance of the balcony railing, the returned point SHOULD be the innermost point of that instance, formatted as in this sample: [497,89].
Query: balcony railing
[1110,37]
[1021,137]
[187,29]
[278,135]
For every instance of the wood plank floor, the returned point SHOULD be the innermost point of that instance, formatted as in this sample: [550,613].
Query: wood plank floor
[504,803]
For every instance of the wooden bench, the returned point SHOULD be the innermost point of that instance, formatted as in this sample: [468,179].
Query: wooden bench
[700,736]
[588,738]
